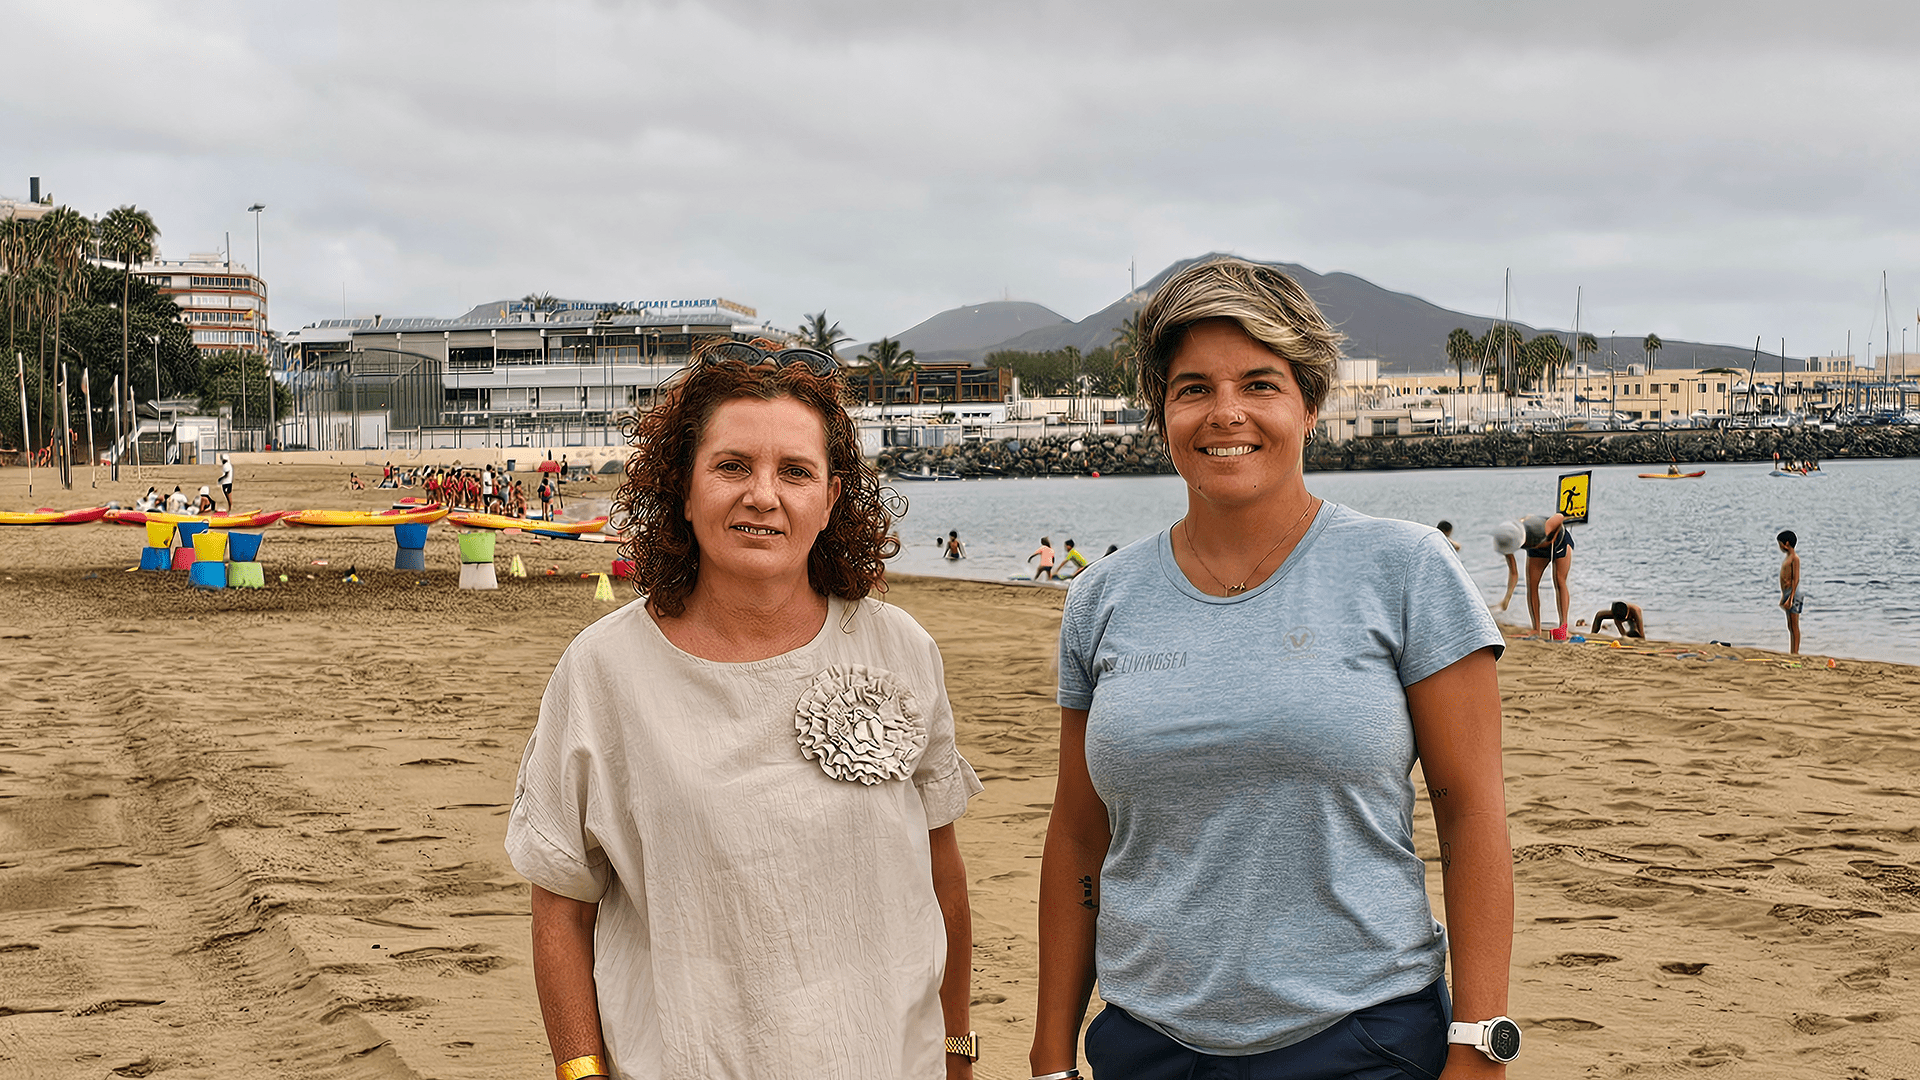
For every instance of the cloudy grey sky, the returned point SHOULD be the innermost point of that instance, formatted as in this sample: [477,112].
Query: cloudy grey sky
[1707,170]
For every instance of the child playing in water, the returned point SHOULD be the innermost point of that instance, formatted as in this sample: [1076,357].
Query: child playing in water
[1045,554]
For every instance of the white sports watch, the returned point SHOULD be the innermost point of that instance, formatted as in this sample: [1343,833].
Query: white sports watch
[1498,1038]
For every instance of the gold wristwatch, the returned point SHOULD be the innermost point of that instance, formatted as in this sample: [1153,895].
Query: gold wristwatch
[967,1046]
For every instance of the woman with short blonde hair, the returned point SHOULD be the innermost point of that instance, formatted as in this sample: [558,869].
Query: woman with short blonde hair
[1242,699]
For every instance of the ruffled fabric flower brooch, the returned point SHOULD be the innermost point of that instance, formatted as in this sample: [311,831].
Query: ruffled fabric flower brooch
[861,724]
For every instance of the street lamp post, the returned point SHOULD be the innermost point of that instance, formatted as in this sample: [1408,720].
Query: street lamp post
[260,333]
[155,338]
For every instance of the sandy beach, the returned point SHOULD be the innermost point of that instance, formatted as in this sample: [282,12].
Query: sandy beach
[259,832]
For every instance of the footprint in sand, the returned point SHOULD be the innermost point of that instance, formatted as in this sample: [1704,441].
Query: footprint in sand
[1865,978]
[1816,1023]
[1567,1023]
[1715,1054]
[1580,959]
[1804,916]
[1679,967]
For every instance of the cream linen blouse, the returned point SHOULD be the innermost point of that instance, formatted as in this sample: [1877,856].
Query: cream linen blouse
[755,835]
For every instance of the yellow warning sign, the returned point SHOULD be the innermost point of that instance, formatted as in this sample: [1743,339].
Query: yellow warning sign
[1572,503]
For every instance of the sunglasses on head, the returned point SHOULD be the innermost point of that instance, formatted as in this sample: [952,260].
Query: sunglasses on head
[742,352]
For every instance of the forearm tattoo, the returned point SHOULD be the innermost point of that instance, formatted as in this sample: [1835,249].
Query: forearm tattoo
[1086,893]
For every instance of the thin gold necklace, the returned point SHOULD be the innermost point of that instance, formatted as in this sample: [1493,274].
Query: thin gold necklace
[1242,587]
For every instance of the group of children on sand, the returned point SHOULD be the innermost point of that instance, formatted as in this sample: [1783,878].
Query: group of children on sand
[490,491]
[177,502]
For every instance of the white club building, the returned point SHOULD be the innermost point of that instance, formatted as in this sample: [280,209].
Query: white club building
[505,374]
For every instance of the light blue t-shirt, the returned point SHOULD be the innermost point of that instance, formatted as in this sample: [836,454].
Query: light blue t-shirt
[1253,754]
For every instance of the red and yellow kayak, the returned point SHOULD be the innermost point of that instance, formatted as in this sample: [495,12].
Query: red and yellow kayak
[1673,476]
[425,515]
[46,516]
[258,519]
[474,520]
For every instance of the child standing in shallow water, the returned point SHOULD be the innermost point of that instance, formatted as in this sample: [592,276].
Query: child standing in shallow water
[1045,554]
[1790,598]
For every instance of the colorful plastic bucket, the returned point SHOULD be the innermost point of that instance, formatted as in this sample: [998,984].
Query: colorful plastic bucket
[243,546]
[406,558]
[156,558]
[623,568]
[190,529]
[159,534]
[412,537]
[476,547]
[478,576]
[208,575]
[182,558]
[246,575]
[210,546]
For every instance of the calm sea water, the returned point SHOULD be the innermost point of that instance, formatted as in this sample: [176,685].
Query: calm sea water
[1698,555]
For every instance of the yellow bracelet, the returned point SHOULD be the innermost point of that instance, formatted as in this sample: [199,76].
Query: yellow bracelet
[577,1068]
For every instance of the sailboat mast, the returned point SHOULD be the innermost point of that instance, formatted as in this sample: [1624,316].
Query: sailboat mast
[1506,342]
[1576,324]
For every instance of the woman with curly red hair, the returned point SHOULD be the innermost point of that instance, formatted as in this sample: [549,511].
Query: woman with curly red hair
[737,807]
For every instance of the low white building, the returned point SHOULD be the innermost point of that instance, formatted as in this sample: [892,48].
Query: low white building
[504,374]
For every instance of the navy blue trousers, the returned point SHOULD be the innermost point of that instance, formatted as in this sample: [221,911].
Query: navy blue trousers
[1402,1039]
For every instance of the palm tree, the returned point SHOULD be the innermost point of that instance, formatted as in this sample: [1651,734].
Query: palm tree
[127,232]
[41,282]
[541,301]
[817,333]
[1460,350]
[1499,351]
[889,363]
[67,234]
[17,255]
[1652,345]
[1540,358]
[1584,346]
[1126,350]
[16,244]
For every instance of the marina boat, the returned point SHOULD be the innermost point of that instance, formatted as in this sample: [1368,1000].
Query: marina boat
[926,474]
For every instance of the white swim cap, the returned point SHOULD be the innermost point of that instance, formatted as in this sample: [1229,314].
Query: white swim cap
[1508,536]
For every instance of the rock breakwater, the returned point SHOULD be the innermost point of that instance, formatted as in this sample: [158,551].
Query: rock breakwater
[1138,454]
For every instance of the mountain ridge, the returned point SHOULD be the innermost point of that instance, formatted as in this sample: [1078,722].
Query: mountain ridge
[1405,333]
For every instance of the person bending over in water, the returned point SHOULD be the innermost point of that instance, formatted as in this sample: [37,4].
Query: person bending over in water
[1628,619]
[1548,544]
[1075,561]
